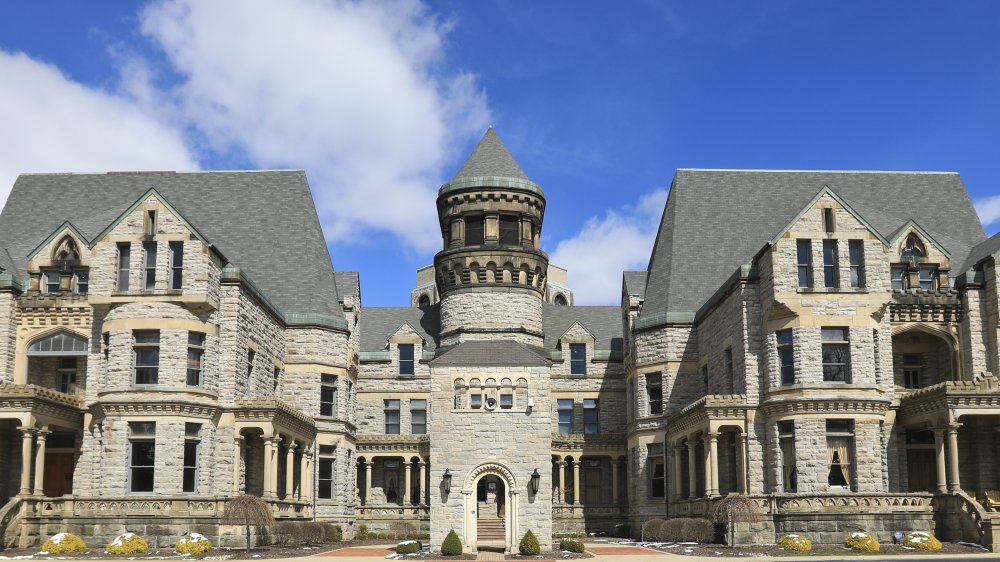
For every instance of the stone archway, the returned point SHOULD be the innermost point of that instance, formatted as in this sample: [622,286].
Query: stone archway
[471,506]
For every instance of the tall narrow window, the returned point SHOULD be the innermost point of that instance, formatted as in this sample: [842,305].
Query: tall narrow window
[327,464]
[141,456]
[509,226]
[176,265]
[124,263]
[654,393]
[474,230]
[577,359]
[251,355]
[275,379]
[898,277]
[196,359]
[730,372]
[565,415]
[829,224]
[192,446]
[591,416]
[591,481]
[145,357]
[67,375]
[831,278]
[392,417]
[149,265]
[856,249]
[418,417]
[150,225]
[81,283]
[328,395]
[405,358]
[786,356]
[658,473]
[52,281]
[928,278]
[912,365]
[839,453]
[804,259]
[786,439]
[836,355]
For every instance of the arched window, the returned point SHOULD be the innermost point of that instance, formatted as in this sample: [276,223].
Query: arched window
[560,300]
[61,343]
[66,251]
[424,301]
[913,247]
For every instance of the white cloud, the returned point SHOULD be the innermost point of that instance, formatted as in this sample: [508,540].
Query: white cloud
[353,93]
[49,123]
[606,246]
[988,209]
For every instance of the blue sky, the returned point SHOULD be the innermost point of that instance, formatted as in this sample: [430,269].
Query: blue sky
[599,102]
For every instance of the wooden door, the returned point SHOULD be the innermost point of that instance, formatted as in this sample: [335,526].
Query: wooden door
[58,478]
[921,470]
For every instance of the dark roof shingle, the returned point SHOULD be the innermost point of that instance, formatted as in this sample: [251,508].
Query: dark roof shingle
[490,158]
[488,353]
[379,322]
[605,322]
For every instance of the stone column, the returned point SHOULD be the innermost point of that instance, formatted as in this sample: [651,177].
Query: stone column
[40,462]
[269,467]
[942,483]
[368,480]
[408,483]
[27,434]
[954,485]
[239,453]
[678,471]
[562,481]
[290,471]
[692,446]
[741,463]
[614,481]
[306,476]
[576,483]
[712,477]
[422,487]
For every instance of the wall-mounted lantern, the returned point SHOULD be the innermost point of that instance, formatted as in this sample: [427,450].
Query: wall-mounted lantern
[535,480]
[447,481]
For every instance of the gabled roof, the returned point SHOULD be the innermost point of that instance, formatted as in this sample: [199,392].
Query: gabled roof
[604,322]
[348,282]
[490,158]
[264,222]
[62,228]
[827,192]
[490,353]
[135,204]
[717,220]
[635,283]
[378,323]
[983,250]
[894,237]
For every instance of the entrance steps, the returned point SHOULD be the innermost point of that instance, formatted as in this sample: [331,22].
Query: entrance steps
[490,531]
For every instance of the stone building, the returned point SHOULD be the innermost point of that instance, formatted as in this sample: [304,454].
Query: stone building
[827,347]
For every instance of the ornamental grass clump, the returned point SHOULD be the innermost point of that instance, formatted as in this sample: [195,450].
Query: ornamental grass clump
[193,543]
[861,542]
[128,543]
[64,543]
[452,545]
[922,541]
[529,545]
[795,543]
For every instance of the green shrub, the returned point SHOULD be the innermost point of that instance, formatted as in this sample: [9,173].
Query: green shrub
[529,544]
[332,533]
[64,543]
[862,542]
[408,547]
[128,543]
[622,531]
[922,541]
[570,545]
[452,545]
[651,529]
[362,532]
[796,543]
[193,543]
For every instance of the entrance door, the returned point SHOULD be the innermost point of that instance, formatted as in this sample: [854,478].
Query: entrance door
[921,470]
[58,477]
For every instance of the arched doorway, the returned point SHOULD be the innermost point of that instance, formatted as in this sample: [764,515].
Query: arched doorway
[491,497]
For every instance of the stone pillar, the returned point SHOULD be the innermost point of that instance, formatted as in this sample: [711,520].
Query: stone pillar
[270,467]
[942,483]
[239,454]
[678,471]
[562,480]
[40,462]
[614,481]
[408,484]
[692,446]
[954,485]
[422,487]
[27,434]
[712,478]
[368,480]
[306,477]
[741,463]
[290,471]
[576,483]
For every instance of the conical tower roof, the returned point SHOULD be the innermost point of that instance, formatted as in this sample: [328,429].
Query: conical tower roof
[490,158]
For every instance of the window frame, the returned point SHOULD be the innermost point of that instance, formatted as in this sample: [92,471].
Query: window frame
[828,343]
[591,408]
[418,428]
[657,478]
[803,249]
[407,366]
[786,356]
[145,438]
[47,281]
[149,256]
[658,385]
[391,406]
[831,260]
[480,230]
[564,405]
[903,281]
[330,459]
[145,346]
[67,375]
[931,283]
[848,434]
[176,265]
[328,395]
[512,230]
[786,438]
[196,345]
[578,359]
[81,278]
[856,259]
[123,265]
[194,470]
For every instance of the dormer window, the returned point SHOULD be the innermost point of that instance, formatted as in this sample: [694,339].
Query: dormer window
[898,276]
[928,278]
[81,281]
[406,358]
[52,281]
[67,250]
[913,248]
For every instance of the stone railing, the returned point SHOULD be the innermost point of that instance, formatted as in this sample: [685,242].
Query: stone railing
[153,506]
[786,504]
[8,513]
[571,511]
[392,511]
[10,392]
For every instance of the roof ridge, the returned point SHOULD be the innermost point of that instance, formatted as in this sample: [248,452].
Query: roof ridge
[818,171]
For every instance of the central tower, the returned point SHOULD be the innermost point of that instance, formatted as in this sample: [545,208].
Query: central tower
[491,273]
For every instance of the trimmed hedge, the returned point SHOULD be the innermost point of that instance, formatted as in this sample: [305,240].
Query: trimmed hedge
[452,545]
[529,545]
[332,533]
[570,545]
[862,542]
[795,543]
[408,547]
[128,543]
[193,543]
[922,541]
[622,531]
[651,529]
[64,543]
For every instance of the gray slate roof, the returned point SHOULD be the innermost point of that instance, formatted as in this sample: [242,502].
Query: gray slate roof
[263,222]
[490,158]
[501,352]
[348,282]
[717,220]
[982,250]
[635,283]
[605,322]
[379,322]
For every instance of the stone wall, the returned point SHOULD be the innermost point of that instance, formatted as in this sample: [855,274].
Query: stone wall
[491,316]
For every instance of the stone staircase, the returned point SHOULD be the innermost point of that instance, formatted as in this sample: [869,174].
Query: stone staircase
[490,531]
